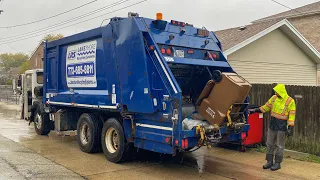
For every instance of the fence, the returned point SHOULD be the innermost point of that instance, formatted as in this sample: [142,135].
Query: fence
[8,95]
[306,136]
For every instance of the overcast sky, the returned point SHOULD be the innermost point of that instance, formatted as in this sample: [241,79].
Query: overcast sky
[213,14]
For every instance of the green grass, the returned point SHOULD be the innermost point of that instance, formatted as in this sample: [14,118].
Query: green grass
[311,158]
[260,148]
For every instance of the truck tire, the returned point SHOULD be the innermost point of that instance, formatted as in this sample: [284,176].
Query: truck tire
[41,121]
[113,141]
[89,133]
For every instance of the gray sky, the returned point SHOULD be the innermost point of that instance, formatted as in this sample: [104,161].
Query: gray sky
[213,14]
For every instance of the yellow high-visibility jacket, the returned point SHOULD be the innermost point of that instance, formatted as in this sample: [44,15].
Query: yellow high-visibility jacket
[283,107]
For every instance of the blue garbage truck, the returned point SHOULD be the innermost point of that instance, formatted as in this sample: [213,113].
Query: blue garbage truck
[128,84]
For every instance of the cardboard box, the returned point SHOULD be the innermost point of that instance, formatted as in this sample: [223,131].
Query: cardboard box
[215,104]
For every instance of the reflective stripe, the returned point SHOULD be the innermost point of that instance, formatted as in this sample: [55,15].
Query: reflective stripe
[269,105]
[154,127]
[279,116]
[166,72]
[290,123]
[286,105]
[292,112]
[262,109]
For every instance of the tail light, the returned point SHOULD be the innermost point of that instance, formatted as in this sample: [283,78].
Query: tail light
[190,51]
[211,55]
[178,23]
[243,135]
[186,143]
[163,51]
[169,51]
[183,144]
[151,48]
[214,56]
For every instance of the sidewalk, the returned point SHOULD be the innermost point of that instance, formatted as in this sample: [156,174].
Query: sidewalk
[18,162]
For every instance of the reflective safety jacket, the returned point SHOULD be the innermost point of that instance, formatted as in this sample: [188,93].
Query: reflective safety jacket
[282,108]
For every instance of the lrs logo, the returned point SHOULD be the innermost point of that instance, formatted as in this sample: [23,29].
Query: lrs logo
[71,54]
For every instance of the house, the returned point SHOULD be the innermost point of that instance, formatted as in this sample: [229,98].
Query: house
[14,72]
[35,61]
[273,50]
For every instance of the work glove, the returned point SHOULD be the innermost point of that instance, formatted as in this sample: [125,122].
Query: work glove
[254,110]
[289,131]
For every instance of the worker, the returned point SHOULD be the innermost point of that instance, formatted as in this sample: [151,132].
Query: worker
[283,109]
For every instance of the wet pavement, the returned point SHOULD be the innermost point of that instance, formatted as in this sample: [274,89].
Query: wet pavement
[215,163]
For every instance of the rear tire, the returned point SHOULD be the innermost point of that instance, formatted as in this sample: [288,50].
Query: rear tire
[41,121]
[113,141]
[89,133]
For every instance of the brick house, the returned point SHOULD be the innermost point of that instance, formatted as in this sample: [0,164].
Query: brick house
[35,61]
[291,39]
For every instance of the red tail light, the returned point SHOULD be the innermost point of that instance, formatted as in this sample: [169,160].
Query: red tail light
[163,51]
[243,135]
[214,56]
[168,51]
[183,145]
[151,48]
[167,139]
[190,52]
[186,143]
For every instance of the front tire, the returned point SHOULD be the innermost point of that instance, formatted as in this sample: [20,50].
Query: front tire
[113,141]
[89,133]
[41,121]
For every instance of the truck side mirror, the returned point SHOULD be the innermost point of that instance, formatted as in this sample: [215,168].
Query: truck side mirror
[19,82]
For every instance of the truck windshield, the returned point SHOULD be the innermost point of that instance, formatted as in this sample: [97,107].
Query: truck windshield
[40,77]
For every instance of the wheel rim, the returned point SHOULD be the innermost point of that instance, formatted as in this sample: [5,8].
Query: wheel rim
[112,140]
[38,121]
[85,134]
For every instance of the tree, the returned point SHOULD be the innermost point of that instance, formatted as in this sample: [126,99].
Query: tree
[24,67]
[8,60]
[52,37]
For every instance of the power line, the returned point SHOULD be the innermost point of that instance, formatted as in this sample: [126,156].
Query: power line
[80,21]
[44,19]
[11,47]
[285,6]
[63,22]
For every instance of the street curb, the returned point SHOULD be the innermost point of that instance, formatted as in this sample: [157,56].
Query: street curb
[295,154]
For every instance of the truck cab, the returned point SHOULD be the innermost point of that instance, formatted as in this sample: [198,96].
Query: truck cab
[31,83]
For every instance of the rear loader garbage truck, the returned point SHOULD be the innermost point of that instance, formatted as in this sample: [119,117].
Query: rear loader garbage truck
[163,86]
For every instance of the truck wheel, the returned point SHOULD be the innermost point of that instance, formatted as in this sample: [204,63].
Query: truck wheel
[41,122]
[113,141]
[89,133]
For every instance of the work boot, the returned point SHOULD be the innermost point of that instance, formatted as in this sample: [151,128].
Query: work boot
[268,165]
[275,167]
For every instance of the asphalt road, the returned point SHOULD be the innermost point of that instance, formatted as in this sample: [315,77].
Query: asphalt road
[59,157]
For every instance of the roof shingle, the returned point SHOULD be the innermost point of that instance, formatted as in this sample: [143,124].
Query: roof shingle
[234,36]
[301,11]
